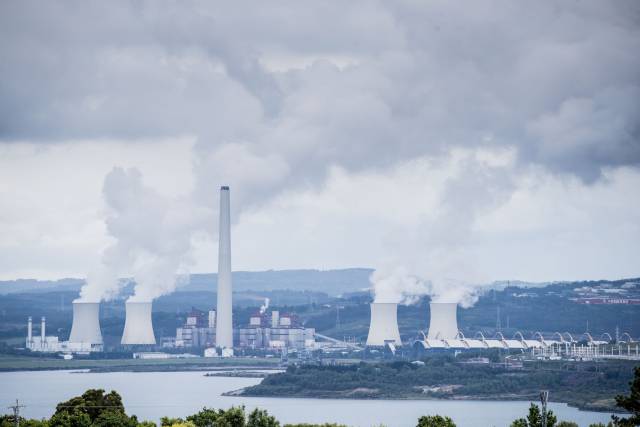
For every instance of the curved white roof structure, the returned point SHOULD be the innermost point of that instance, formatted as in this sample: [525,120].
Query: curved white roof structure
[428,343]
[494,343]
[472,343]
[384,324]
[86,323]
[138,328]
[514,344]
[444,323]
[456,343]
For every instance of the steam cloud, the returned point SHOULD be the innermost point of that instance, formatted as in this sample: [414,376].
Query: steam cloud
[152,239]
[271,113]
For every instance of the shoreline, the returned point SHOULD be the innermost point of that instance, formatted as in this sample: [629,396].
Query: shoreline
[492,398]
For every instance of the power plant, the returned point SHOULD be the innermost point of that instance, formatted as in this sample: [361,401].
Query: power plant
[224,325]
[444,322]
[86,323]
[138,328]
[383,328]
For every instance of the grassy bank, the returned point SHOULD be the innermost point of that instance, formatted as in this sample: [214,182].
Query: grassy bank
[23,363]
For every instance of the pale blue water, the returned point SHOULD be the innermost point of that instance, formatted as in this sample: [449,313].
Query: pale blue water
[151,395]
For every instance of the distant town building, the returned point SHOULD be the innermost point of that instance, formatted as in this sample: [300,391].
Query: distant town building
[275,331]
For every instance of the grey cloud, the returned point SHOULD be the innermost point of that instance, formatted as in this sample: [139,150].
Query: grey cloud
[559,82]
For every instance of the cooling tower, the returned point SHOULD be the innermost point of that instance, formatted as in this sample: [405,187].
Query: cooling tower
[138,328]
[443,324]
[86,323]
[224,327]
[384,324]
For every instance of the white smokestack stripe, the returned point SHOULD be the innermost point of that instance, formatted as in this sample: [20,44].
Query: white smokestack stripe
[29,332]
[384,324]
[86,323]
[444,323]
[224,325]
[138,328]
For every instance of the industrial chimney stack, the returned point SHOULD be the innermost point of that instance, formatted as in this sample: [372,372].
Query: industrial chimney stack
[224,326]
[86,323]
[138,328]
[444,323]
[29,332]
[383,328]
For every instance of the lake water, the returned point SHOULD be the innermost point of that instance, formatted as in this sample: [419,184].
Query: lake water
[151,395]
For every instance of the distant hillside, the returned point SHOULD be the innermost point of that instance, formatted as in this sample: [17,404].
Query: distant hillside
[331,282]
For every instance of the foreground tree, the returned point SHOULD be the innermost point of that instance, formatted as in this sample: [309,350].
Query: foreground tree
[94,408]
[630,403]
[534,419]
[10,421]
[435,421]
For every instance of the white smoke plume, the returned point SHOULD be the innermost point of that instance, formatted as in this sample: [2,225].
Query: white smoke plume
[433,77]
[438,259]
[152,239]
[265,306]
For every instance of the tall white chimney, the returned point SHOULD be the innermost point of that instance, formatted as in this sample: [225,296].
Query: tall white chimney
[224,325]
[444,323]
[86,323]
[29,332]
[383,327]
[138,328]
[43,330]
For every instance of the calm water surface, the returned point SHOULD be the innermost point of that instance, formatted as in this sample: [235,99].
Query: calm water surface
[151,395]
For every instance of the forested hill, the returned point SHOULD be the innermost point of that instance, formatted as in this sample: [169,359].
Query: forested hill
[331,282]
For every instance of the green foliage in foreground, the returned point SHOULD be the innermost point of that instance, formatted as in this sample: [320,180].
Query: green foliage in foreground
[435,421]
[95,408]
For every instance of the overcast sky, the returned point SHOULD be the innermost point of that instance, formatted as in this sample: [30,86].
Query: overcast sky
[479,140]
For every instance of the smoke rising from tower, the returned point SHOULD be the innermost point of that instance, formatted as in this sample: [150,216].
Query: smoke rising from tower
[152,236]
[437,258]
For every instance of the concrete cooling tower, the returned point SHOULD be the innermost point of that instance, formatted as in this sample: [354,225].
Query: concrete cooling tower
[138,328]
[86,323]
[384,324]
[224,327]
[444,323]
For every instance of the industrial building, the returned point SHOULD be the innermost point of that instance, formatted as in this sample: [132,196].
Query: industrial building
[43,342]
[51,344]
[199,330]
[275,331]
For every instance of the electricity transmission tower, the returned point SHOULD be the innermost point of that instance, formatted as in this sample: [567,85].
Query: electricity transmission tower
[16,412]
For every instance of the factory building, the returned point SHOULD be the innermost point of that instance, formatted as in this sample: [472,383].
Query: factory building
[51,344]
[43,342]
[275,331]
[199,330]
